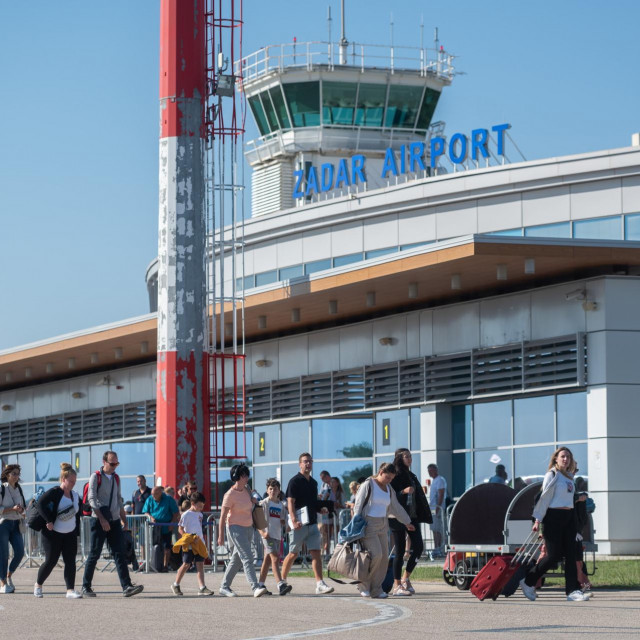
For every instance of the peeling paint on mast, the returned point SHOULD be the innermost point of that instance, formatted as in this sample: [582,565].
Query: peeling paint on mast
[182,382]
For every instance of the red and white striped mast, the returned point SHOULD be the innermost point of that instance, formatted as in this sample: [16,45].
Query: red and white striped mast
[182,431]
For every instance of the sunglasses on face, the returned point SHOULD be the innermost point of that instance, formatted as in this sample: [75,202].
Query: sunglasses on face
[113,464]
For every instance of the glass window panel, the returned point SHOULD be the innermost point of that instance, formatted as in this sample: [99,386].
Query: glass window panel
[96,455]
[224,484]
[291,272]
[556,230]
[81,461]
[266,443]
[341,261]
[40,487]
[370,108]
[392,427]
[303,99]
[485,464]
[415,431]
[342,438]
[26,462]
[28,489]
[533,420]
[134,457]
[281,109]
[598,228]
[376,253]
[507,232]
[317,265]
[249,282]
[461,426]
[235,445]
[632,227]
[492,424]
[380,459]
[414,245]
[295,439]
[345,470]
[428,107]
[572,416]
[48,464]
[338,102]
[402,107]
[270,112]
[260,475]
[266,277]
[258,114]
[128,486]
[580,455]
[531,463]
[288,471]
[462,478]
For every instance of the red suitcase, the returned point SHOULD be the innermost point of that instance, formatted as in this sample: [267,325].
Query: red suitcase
[493,577]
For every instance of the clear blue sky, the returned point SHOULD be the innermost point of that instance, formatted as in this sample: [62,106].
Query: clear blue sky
[79,128]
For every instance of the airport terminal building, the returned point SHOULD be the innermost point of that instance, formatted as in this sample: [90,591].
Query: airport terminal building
[479,315]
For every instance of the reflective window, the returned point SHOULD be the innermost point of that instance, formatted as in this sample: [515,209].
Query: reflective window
[281,109]
[303,99]
[462,478]
[341,261]
[96,456]
[492,424]
[370,108]
[295,439]
[632,227]
[580,455]
[377,253]
[260,476]
[507,232]
[402,107]
[134,457]
[415,431]
[485,464]
[270,111]
[48,464]
[129,486]
[572,416]
[599,228]
[286,273]
[461,426]
[380,459]
[428,107]
[346,470]
[259,116]
[223,485]
[266,443]
[533,420]
[414,245]
[237,448]
[266,277]
[556,230]
[28,489]
[290,470]
[26,462]
[392,430]
[317,265]
[532,462]
[342,438]
[338,102]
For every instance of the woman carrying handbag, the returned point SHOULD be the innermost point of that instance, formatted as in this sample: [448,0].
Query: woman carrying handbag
[376,501]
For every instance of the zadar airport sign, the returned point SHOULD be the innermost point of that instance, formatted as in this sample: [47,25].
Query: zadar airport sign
[409,159]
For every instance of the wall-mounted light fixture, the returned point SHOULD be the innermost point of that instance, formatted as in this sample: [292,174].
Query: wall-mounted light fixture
[105,381]
[263,363]
[456,282]
[76,395]
[413,290]
[6,407]
[386,341]
[580,295]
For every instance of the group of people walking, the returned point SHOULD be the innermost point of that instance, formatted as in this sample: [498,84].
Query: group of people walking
[392,501]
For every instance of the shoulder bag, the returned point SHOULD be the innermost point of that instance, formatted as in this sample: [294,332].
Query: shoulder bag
[351,562]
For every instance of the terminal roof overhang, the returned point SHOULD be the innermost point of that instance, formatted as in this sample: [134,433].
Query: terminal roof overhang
[475,259]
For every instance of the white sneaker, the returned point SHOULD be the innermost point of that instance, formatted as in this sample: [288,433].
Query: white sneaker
[7,588]
[365,594]
[323,588]
[37,591]
[577,596]
[74,595]
[227,592]
[529,592]
[382,595]
[401,591]
[259,591]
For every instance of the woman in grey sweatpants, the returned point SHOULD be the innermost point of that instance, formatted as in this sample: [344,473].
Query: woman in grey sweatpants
[237,506]
[376,501]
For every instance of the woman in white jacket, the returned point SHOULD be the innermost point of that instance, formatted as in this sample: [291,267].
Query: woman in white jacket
[555,511]
[375,502]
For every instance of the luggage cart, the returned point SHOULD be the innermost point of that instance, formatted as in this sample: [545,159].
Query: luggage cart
[494,519]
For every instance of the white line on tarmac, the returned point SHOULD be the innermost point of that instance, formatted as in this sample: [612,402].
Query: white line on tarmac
[386,613]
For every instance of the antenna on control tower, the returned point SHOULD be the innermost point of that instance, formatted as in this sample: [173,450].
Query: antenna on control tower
[344,43]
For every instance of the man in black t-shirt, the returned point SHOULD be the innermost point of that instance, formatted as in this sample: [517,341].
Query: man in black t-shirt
[302,500]
[140,496]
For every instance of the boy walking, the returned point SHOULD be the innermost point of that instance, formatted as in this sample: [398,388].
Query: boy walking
[275,513]
[192,545]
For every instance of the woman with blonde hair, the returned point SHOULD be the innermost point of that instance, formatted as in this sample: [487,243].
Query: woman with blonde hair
[12,508]
[60,509]
[555,511]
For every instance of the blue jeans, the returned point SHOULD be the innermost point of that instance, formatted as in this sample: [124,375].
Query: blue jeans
[10,534]
[242,556]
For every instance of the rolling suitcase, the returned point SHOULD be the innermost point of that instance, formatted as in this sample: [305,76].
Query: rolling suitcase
[496,574]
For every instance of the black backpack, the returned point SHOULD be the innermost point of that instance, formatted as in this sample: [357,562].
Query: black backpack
[34,520]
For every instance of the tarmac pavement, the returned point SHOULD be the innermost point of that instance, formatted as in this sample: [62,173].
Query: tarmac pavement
[435,609]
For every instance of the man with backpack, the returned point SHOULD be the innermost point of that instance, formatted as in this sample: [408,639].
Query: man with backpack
[108,520]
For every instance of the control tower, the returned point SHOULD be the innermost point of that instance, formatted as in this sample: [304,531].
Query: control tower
[318,103]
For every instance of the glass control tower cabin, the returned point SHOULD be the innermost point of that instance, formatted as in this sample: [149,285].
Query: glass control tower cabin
[321,108]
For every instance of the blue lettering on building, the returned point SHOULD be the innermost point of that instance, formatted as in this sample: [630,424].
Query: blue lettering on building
[410,159]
